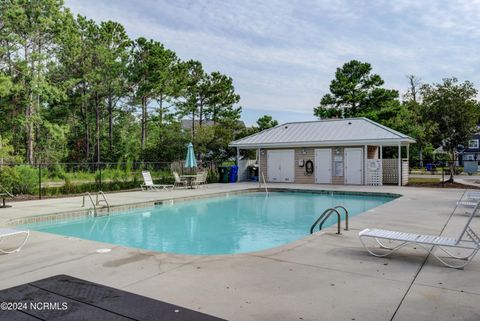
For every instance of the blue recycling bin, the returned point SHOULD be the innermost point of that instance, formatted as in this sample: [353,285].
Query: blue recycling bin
[233,173]
[429,167]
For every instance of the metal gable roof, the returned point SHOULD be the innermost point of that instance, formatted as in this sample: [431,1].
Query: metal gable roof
[332,131]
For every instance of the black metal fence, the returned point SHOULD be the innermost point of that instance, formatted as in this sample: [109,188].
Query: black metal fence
[52,179]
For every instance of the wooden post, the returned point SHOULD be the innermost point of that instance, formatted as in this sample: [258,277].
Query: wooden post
[381,162]
[399,164]
[259,161]
[365,158]
[408,160]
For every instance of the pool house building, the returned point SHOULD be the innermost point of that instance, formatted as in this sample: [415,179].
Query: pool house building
[352,151]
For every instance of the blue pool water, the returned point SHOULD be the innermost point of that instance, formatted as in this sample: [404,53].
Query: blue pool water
[221,225]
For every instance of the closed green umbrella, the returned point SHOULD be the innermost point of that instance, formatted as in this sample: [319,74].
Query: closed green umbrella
[190,161]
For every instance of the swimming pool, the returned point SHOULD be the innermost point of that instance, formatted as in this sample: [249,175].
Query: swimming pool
[219,225]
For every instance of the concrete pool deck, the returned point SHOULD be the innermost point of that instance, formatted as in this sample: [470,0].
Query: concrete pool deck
[323,276]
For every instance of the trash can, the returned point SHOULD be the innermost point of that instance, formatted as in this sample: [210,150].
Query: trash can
[253,173]
[233,173]
[223,174]
[429,167]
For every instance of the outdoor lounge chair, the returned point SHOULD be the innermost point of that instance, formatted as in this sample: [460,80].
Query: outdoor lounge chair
[148,183]
[468,240]
[470,199]
[178,181]
[7,232]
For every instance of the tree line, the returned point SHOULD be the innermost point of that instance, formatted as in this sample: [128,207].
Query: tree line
[441,115]
[73,90]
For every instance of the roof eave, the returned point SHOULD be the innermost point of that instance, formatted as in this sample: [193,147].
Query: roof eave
[382,142]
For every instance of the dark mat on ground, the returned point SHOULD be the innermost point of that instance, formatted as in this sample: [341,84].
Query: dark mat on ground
[63,297]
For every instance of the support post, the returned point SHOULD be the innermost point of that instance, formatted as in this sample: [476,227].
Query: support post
[238,156]
[100,172]
[381,162]
[399,164]
[365,158]
[259,168]
[39,181]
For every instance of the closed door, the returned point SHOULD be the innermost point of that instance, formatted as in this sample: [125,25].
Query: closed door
[288,166]
[353,166]
[274,160]
[280,165]
[323,166]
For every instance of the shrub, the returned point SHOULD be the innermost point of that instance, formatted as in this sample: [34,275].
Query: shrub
[8,177]
[69,187]
[56,171]
[212,176]
[26,181]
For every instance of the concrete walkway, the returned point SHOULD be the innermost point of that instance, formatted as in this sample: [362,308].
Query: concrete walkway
[321,277]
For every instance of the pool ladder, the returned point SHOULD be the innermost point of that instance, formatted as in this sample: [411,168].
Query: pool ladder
[97,201]
[326,214]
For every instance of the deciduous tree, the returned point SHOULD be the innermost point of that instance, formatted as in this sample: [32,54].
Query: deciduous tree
[455,110]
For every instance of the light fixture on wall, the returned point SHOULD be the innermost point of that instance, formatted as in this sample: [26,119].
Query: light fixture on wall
[262,152]
[304,151]
[337,150]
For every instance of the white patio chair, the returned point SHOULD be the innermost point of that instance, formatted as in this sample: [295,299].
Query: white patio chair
[178,181]
[468,240]
[205,177]
[8,232]
[200,179]
[149,185]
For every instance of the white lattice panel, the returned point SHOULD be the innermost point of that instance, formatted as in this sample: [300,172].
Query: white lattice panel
[374,172]
[390,171]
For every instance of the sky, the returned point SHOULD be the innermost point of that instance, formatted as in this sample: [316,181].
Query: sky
[282,55]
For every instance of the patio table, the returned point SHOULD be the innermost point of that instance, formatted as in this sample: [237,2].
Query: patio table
[189,179]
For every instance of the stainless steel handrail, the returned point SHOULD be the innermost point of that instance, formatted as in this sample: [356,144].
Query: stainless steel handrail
[346,215]
[97,201]
[326,214]
[264,183]
[6,192]
[91,200]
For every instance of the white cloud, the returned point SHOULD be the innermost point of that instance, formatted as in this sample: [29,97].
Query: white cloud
[284,54]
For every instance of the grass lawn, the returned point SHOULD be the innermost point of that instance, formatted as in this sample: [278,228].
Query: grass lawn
[423,180]
[434,182]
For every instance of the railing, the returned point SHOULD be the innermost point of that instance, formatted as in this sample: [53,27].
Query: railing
[97,201]
[326,214]
[5,191]
[91,200]
[264,183]
[4,194]
[346,215]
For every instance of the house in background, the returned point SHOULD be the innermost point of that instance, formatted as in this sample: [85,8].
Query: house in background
[472,151]
[335,151]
